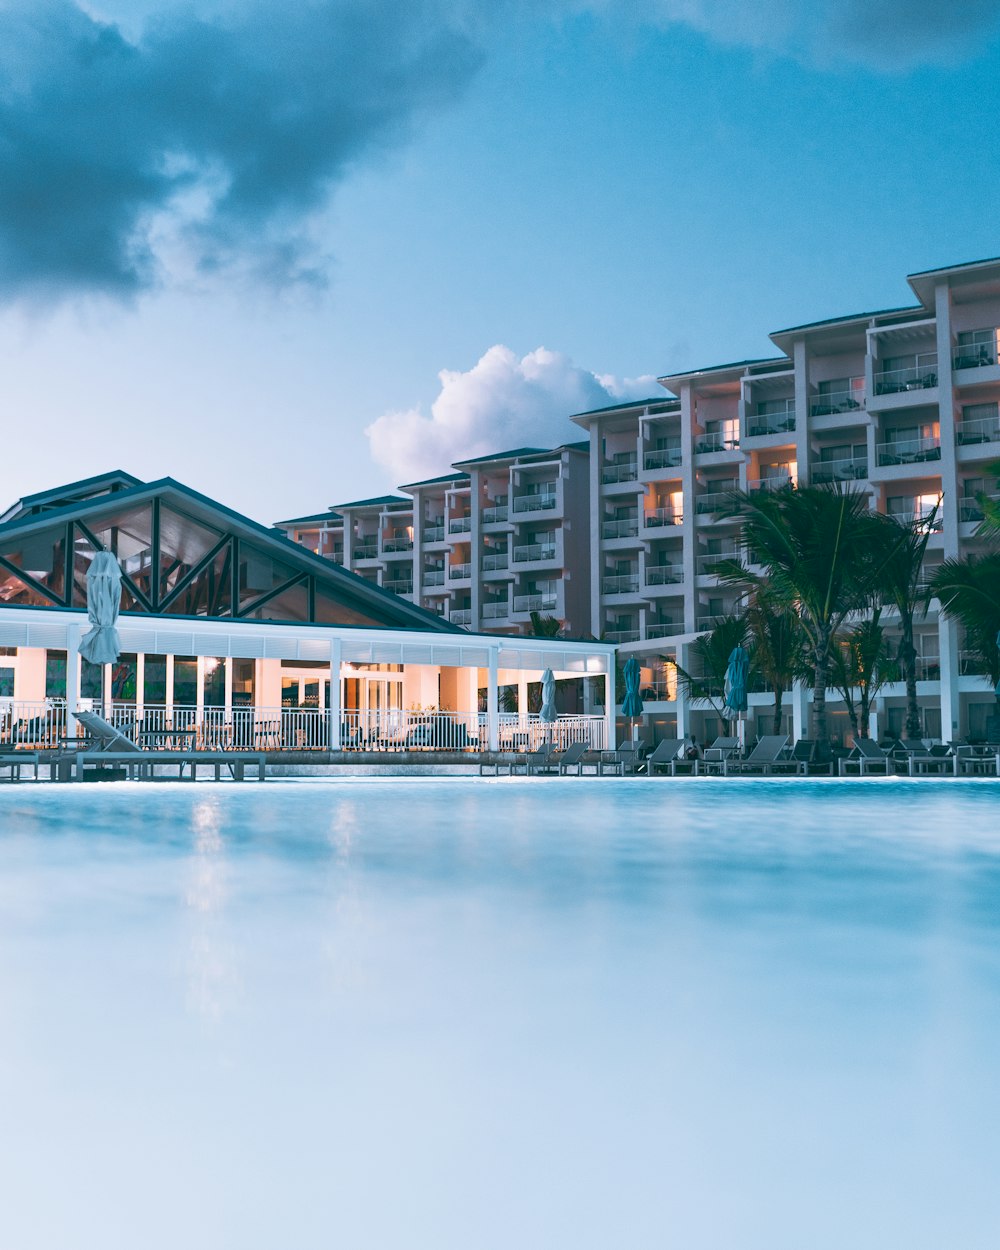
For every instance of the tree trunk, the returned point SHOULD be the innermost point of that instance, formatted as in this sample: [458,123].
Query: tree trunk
[778,695]
[866,708]
[908,661]
[821,659]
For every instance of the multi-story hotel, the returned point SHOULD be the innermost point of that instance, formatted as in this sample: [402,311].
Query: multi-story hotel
[621,543]
[484,546]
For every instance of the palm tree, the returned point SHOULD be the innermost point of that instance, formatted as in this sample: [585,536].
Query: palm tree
[900,566]
[969,591]
[861,661]
[990,505]
[712,651]
[544,626]
[814,546]
[775,648]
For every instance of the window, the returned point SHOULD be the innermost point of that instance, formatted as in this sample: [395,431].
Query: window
[6,683]
[55,674]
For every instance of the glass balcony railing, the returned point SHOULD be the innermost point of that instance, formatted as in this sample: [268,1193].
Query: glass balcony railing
[460,616]
[621,635]
[915,378]
[628,527]
[715,501]
[434,533]
[977,355]
[460,525]
[657,518]
[845,470]
[397,543]
[433,577]
[535,503]
[625,471]
[535,603]
[776,482]
[970,508]
[772,423]
[662,458]
[918,514]
[706,443]
[664,574]
[497,560]
[458,572]
[707,565]
[400,586]
[534,551]
[495,514]
[620,584]
[984,430]
[908,451]
[664,629]
[365,551]
[496,611]
[828,403]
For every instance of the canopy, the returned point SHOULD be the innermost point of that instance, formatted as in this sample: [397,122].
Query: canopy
[737,673]
[104,594]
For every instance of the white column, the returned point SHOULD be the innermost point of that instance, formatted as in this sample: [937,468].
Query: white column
[72,677]
[950,672]
[168,699]
[228,684]
[522,700]
[800,711]
[610,705]
[493,700]
[106,673]
[333,710]
[140,686]
[199,698]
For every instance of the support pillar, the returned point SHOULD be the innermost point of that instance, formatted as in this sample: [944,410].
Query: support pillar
[800,711]
[493,701]
[610,705]
[333,708]
[950,673]
[72,677]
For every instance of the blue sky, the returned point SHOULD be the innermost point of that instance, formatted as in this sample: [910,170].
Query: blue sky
[244,237]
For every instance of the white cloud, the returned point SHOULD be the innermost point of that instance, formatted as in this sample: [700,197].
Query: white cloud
[500,403]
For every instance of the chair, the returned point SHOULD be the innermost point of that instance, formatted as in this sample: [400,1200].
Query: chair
[808,755]
[625,759]
[761,759]
[714,757]
[664,755]
[106,737]
[868,756]
[575,756]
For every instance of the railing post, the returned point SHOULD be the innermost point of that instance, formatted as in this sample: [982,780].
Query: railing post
[72,677]
[333,705]
[609,703]
[493,700]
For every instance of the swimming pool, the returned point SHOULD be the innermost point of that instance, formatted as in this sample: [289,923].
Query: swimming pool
[506,1014]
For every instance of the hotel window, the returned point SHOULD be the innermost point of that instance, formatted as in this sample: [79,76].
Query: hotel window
[91,680]
[55,674]
[6,683]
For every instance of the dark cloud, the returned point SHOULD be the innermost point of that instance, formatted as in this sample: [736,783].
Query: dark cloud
[220,136]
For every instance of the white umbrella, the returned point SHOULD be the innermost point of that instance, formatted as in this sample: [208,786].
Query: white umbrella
[104,595]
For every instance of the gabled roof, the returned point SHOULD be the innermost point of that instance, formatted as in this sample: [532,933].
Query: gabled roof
[515,454]
[364,602]
[88,487]
[305,520]
[441,480]
[377,501]
[655,401]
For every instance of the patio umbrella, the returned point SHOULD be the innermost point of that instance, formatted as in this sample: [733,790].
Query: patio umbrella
[632,704]
[104,593]
[737,672]
[547,712]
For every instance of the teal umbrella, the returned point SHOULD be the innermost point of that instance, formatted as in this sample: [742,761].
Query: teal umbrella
[737,673]
[632,704]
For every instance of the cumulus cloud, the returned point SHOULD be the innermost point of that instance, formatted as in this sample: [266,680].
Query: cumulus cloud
[215,137]
[500,403]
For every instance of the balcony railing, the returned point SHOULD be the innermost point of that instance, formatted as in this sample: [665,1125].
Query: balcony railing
[627,471]
[915,378]
[656,518]
[706,443]
[756,484]
[628,527]
[664,574]
[535,503]
[971,510]
[971,664]
[458,572]
[460,525]
[975,355]
[984,430]
[662,458]
[494,515]
[498,560]
[397,544]
[831,402]
[846,470]
[535,603]
[433,577]
[664,629]
[400,586]
[772,423]
[908,451]
[434,533]
[919,515]
[707,565]
[621,635]
[620,584]
[496,611]
[460,616]
[709,622]
[365,551]
[534,551]
[658,691]
[715,501]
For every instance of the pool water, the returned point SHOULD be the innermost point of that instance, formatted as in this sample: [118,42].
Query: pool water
[513,1014]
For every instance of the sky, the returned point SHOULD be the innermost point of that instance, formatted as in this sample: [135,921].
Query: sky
[298,253]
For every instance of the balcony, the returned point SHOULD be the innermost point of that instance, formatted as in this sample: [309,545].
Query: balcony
[778,482]
[628,527]
[847,470]
[399,586]
[620,635]
[540,502]
[908,451]
[534,551]
[664,629]
[772,423]
[916,377]
[433,577]
[494,514]
[535,603]
[707,443]
[365,551]
[626,471]
[919,515]
[498,560]
[434,533]
[715,501]
[496,611]
[979,354]
[662,458]
[391,545]
[458,572]
[970,508]
[620,584]
[664,574]
[985,430]
[829,403]
[704,623]
[658,518]
[707,565]
[970,664]
[460,616]
[460,525]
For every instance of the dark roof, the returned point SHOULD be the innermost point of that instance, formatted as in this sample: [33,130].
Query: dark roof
[964,264]
[733,364]
[377,500]
[861,316]
[583,445]
[359,588]
[654,401]
[304,520]
[506,455]
[434,481]
[117,478]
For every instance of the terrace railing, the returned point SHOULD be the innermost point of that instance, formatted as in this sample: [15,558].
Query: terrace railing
[535,603]
[626,527]
[496,611]
[665,629]
[620,584]
[773,423]
[534,551]
[830,402]
[908,451]
[915,378]
[664,574]
[31,725]
[433,577]
[662,458]
[492,516]
[983,430]
[849,469]
[535,503]
[657,518]
[496,560]
[625,471]
[458,572]
[975,355]
[434,533]
[460,525]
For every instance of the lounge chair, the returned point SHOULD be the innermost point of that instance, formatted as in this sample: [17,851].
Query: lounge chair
[714,758]
[765,754]
[664,755]
[626,759]
[574,757]
[809,755]
[20,759]
[935,760]
[868,757]
[976,761]
[104,735]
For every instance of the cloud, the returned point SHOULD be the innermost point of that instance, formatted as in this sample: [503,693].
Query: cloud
[211,139]
[500,403]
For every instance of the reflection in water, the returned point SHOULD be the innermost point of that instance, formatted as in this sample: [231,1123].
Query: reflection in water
[212,956]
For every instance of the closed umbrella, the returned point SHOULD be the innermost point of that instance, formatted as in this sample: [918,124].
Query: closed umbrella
[104,593]
[632,704]
[737,673]
[547,712]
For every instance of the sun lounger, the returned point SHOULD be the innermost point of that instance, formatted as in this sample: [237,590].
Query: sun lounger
[142,765]
[625,760]
[867,756]
[664,755]
[976,761]
[808,756]
[714,758]
[760,760]
[574,757]
[104,735]
[17,760]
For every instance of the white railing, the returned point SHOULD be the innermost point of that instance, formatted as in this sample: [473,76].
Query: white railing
[620,584]
[664,574]
[663,458]
[460,525]
[626,471]
[706,443]
[914,378]
[458,572]
[664,629]
[657,518]
[534,503]
[976,355]
[625,528]
[534,551]
[534,603]
[433,577]
[525,731]
[984,430]
[827,403]
[460,616]
[31,725]
[498,560]
[492,516]
[845,470]
[771,423]
[433,533]
[778,482]
[496,611]
[908,451]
